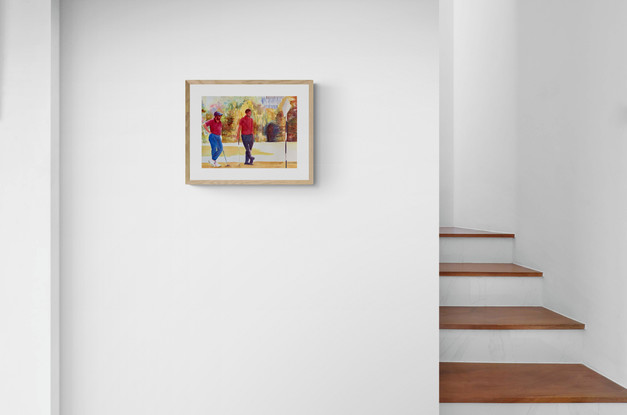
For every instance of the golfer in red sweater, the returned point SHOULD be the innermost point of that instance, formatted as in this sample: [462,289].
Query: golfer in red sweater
[247,127]
[214,129]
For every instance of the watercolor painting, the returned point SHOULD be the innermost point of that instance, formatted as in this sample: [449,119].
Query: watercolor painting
[249,132]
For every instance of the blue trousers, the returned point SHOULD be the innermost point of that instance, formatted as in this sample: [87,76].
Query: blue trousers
[216,146]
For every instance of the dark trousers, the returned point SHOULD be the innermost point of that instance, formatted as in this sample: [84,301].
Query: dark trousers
[248,141]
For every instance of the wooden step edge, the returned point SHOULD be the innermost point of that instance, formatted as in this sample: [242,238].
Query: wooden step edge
[505,318]
[455,232]
[489,274]
[462,382]
[467,269]
[570,326]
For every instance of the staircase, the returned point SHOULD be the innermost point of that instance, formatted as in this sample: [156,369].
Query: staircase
[499,346]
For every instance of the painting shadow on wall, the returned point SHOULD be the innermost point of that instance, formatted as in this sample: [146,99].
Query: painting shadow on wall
[316,136]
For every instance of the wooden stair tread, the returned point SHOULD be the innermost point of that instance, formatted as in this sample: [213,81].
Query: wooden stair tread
[505,318]
[526,383]
[468,269]
[455,232]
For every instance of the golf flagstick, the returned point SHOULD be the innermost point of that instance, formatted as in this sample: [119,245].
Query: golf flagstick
[286,143]
[286,108]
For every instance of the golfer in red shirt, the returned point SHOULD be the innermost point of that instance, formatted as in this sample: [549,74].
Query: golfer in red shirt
[247,127]
[214,128]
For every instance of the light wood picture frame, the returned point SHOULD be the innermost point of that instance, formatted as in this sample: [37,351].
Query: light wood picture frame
[249,132]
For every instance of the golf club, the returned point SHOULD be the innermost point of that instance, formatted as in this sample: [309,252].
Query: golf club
[224,154]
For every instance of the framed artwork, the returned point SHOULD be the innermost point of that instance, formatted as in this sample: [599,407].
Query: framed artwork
[249,132]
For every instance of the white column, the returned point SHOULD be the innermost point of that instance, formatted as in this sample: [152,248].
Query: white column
[28,206]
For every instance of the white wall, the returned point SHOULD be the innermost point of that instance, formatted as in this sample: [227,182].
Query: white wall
[55,208]
[183,299]
[27,240]
[556,171]
[572,170]
[447,113]
[483,118]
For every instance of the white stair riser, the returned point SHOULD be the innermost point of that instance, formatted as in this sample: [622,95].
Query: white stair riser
[490,291]
[511,346]
[533,409]
[476,250]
